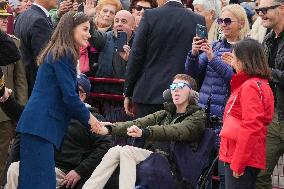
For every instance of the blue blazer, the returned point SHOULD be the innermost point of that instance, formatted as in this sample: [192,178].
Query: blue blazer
[53,102]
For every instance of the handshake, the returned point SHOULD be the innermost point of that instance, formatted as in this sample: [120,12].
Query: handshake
[105,128]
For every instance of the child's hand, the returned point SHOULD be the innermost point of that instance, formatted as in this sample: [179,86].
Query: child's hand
[134,131]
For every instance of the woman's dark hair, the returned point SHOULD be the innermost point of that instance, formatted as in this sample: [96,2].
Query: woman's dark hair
[133,3]
[62,40]
[252,57]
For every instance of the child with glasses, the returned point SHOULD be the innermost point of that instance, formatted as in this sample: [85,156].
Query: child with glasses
[181,120]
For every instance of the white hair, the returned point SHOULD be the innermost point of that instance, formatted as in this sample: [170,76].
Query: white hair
[209,5]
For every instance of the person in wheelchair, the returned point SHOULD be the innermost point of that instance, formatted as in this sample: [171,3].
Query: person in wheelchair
[181,120]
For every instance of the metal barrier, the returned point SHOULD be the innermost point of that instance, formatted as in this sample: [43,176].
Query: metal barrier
[107,96]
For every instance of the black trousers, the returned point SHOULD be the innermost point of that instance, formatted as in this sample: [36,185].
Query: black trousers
[246,181]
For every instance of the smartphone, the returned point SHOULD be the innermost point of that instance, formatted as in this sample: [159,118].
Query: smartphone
[201,31]
[120,41]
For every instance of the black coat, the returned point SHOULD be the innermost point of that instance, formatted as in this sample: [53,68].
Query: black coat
[9,52]
[159,51]
[34,29]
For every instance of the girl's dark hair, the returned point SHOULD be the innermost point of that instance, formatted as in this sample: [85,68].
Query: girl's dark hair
[133,3]
[62,40]
[252,57]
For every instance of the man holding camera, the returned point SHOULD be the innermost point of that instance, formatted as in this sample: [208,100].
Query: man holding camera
[114,49]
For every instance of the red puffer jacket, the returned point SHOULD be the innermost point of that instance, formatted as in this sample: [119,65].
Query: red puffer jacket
[248,112]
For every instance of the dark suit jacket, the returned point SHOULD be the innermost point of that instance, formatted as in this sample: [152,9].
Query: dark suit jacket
[54,101]
[159,51]
[34,29]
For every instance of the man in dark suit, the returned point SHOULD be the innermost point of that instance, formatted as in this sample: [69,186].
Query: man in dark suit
[159,50]
[33,27]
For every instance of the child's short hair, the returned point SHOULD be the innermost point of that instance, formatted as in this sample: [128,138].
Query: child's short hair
[187,78]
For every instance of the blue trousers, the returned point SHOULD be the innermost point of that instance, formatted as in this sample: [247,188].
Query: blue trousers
[36,163]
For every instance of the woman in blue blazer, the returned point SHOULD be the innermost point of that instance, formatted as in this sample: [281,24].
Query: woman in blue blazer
[53,102]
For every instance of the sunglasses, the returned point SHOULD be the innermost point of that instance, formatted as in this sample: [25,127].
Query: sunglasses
[265,9]
[226,21]
[179,85]
[139,7]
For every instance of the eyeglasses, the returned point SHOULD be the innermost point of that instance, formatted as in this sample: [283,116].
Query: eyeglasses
[265,9]
[179,85]
[226,21]
[139,7]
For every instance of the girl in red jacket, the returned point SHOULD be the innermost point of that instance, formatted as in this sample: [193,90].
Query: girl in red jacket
[248,112]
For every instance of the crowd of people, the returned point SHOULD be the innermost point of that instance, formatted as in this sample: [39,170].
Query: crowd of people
[187,66]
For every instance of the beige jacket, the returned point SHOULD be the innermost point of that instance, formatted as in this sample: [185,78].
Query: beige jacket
[15,79]
[258,32]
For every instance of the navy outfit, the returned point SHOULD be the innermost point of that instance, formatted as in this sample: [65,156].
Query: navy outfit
[44,121]
[34,29]
[158,53]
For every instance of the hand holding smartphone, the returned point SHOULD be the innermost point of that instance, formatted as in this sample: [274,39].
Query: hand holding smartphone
[120,41]
[201,31]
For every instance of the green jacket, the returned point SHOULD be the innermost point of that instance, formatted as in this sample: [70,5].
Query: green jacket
[164,126]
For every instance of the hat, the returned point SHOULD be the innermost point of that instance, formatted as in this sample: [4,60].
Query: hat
[3,9]
[84,82]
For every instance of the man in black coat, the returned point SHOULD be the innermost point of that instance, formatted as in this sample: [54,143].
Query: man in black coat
[158,53]
[33,27]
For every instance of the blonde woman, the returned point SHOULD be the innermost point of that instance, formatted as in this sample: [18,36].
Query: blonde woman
[105,12]
[205,66]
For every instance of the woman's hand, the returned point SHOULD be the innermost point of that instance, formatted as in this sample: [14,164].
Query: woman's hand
[94,123]
[103,124]
[103,131]
[227,57]
[134,131]
[206,47]
[196,44]
[236,175]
